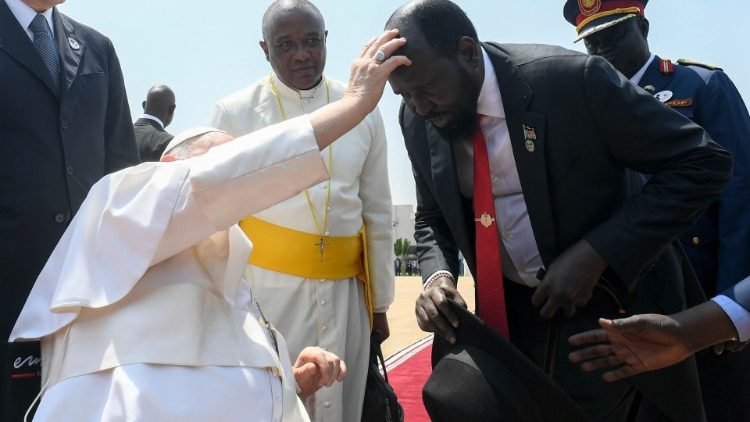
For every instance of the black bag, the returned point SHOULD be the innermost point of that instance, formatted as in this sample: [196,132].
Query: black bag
[381,403]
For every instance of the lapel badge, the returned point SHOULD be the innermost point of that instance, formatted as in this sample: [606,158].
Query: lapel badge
[650,88]
[529,135]
[663,96]
[485,220]
[73,44]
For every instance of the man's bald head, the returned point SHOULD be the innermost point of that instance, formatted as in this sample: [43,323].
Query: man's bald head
[435,24]
[160,102]
[196,145]
[282,7]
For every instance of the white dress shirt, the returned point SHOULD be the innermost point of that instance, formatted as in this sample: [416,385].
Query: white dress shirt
[737,313]
[636,79]
[520,254]
[25,14]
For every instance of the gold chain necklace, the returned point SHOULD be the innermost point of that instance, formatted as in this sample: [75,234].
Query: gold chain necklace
[321,229]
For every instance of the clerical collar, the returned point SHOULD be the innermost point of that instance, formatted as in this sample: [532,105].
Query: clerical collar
[300,94]
[636,79]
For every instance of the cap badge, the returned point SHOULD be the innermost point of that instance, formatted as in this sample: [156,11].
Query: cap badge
[589,7]
[663,96]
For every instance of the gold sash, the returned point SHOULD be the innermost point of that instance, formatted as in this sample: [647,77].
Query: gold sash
[297,253]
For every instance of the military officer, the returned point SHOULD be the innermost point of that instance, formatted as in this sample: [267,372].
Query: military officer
[718,245]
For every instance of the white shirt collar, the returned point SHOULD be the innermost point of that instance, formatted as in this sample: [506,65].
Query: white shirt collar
[636,79]
[490,101]
[25,14]
[154,118]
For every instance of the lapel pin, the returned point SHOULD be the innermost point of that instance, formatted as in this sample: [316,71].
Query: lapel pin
[73,43]
[529,135]
[663,96]
[650,88]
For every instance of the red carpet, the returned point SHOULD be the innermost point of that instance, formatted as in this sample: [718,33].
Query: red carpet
[408,371]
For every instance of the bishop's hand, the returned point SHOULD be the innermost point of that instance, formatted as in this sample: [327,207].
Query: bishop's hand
[433,309]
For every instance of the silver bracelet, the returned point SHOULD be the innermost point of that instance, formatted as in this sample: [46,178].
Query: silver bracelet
[435,276]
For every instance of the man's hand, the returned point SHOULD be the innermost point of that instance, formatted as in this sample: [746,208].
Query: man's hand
[380,324]
[316,368]
[632,345]
[434,313]
[570,280]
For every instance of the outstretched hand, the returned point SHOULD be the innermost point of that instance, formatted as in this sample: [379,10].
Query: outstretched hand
[631,345]
[316,368]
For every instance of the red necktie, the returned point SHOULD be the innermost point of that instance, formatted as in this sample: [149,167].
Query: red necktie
[490,291]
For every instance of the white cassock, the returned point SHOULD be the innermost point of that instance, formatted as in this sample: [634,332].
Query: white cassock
[329,314]
[142,310]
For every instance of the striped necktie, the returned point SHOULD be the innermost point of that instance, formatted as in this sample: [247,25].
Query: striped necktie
[45,46]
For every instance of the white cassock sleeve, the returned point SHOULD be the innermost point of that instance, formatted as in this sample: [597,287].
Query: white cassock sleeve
[375,193]
[142,215]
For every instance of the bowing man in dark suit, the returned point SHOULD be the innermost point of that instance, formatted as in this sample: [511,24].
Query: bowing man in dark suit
[522,158]
[158,111]
[64,123]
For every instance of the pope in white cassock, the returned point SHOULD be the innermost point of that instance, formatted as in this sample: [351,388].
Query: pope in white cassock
[328,252]
[142,310]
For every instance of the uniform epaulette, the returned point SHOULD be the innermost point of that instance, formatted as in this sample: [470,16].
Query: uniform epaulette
[688,62]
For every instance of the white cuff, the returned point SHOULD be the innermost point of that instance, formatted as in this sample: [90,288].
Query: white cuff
[740,316]
[437,274]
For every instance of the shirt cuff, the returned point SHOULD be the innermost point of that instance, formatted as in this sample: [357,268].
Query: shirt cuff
[740,316]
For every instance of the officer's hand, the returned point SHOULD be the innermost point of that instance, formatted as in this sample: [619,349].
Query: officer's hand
[434,313]
[380,324]
[570,280]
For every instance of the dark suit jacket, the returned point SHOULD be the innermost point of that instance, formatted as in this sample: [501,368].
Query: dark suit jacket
[151,139]
[54,145]
[592,126]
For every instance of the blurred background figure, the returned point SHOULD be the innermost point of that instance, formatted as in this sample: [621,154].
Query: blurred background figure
[158,111]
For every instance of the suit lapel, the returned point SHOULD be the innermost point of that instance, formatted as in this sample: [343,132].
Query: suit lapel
[71,50]
[528,138]
[445,178]
[15,41]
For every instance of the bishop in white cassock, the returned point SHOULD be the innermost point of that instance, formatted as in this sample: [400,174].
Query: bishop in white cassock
[142,309]
[326,253]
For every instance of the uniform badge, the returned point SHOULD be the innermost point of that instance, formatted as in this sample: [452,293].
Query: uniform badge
[589,7]
[650,88]
[663,96]
[529,135]
[485,220]
[685,102]
[73,44]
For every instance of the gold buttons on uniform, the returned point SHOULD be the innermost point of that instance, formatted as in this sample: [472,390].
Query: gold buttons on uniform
[696,240]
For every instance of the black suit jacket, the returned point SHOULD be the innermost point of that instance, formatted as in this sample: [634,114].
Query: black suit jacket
[54,145]
[151,139]
[593,128]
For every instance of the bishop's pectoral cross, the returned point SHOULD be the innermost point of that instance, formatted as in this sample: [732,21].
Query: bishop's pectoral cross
[322,246]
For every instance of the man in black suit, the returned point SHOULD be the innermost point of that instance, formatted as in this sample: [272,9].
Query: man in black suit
[533,144]
[158,111]
[64,123]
